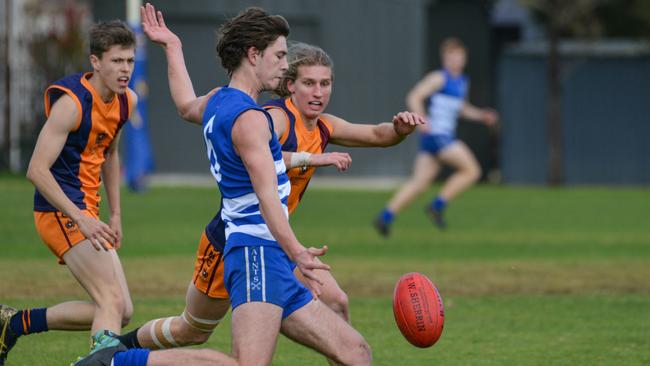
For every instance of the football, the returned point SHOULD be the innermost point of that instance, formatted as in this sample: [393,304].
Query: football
[418,309]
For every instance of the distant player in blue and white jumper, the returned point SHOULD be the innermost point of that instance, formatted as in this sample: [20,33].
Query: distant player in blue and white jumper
[444,93]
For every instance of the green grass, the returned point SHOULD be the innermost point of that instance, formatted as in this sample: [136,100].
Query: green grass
[529,276]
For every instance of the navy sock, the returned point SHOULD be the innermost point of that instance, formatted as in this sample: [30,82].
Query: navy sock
[29,321]
[132,357]
[387,216]
[130,339]
[439,204]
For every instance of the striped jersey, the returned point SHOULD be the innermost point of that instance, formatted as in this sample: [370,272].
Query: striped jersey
[297,138]
[239,222]
[444,105]
[77,169]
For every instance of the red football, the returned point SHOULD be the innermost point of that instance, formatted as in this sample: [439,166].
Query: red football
[418,310]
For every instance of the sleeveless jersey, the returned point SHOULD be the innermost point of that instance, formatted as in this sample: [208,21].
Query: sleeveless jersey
[297,138]
[444,105]
[78,168]
[239,222]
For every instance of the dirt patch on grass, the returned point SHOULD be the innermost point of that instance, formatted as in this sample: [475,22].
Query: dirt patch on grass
[490,278]
[169,276]
[156,277]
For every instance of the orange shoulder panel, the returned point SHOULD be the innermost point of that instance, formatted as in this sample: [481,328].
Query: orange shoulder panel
[48,107]
[130,101]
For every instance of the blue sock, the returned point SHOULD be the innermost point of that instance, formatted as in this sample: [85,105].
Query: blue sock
[439,204]
[387,216]
[29,321]
[132,357]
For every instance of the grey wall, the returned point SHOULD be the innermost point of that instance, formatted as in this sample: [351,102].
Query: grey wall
[606,118]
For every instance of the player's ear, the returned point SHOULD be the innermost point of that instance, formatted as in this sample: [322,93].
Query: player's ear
[252,55]
[291,86]
[94,62]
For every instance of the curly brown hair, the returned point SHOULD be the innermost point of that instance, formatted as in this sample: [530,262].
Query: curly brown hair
[251,28]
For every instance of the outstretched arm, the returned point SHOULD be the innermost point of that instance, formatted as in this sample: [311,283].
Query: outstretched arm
[487,116]
[292,160]
[381,135]
[189,106]
[251,136]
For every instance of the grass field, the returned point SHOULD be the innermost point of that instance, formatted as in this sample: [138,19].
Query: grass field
[529,276]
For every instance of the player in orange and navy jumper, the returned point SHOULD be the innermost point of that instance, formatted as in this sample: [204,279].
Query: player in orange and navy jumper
[304,129]
[304,132]
[298,138]
[75,148]
[78,167]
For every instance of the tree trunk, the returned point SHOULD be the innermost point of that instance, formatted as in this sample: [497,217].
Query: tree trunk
[555,158]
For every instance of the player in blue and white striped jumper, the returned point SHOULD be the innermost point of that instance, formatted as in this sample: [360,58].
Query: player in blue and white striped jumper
[444,93]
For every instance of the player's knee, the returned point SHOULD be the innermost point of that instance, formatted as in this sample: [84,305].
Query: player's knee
[358,353]
[188,335]
[112,301]
[475,172]
[127,314]
[472,171]
[340,304]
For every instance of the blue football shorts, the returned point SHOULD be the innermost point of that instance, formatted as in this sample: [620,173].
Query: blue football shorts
[434,144]
[263,273]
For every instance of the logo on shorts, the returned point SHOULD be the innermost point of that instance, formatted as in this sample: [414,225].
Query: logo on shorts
[256,283]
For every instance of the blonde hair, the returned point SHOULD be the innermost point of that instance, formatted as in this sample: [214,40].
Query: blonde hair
[302,54]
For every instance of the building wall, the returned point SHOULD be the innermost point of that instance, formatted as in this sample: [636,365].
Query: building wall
[605,116]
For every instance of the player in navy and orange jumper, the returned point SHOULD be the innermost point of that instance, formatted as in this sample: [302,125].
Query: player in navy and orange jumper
[75,148]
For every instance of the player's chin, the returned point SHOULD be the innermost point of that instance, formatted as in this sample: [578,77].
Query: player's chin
[273,84]
[120,89]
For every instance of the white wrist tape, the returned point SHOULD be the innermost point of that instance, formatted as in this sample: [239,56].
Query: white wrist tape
[300,159]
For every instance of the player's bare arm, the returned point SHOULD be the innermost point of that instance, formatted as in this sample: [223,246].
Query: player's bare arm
[189,106]
[415,99]
[487,116]
[431,83]
[251,137]
[64,118]
[111,179]
[381,135]
[340,160]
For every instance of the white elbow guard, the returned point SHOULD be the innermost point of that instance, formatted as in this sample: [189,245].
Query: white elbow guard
[300,159]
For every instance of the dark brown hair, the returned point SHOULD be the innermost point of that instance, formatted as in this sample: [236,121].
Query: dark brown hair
[104,35]
[251,28]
